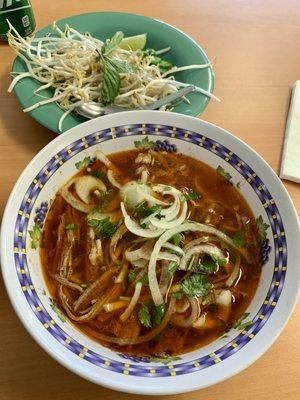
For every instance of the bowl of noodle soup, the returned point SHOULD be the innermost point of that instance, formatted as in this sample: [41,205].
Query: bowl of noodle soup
[147,245]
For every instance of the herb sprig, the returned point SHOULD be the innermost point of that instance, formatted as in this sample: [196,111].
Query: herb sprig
[104,228]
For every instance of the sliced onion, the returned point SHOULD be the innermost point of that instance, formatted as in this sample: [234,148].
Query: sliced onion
[173,247]
[179,320]
[120,232]
[135,228]
[224,301]
[200,249]
[126,314]
[200,322]
[72,200]
[141,263]
[141,339]
[164,280]
[195,242]
[235,273]
[144,176]
[111,178]
[102,157]
[92,311]
[189,226]
[143,252]
[123,273]
[94,290]
[134,193]
[182,305]
[116,305]
[95,248]
[66,282]
[171,224]
[84,185]
[170,212]
[163,255]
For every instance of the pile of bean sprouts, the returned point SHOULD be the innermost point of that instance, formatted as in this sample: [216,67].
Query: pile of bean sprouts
[68,62]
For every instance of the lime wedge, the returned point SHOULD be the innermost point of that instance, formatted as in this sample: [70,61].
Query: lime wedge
[134,42]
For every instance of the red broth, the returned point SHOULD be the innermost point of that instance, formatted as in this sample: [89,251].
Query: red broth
[214,201]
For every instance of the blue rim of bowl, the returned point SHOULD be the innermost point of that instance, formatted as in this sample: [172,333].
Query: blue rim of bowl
[211,80]
[136,369]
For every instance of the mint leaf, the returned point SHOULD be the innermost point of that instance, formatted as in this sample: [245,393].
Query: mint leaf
[239,238]
[113,43]
[84,163]
[144,316]
[35,234]
[158,314]
[110,84]
[224,174]
[262,228]
[144,143]
[196,285]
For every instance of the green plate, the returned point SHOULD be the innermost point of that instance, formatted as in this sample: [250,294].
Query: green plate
[102,25]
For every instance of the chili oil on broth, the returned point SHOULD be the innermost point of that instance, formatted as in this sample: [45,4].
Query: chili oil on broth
[219,204]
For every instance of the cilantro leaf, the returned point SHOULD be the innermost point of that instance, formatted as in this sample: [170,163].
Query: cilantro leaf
[220,261]
[164,360]
[144,316]
[239,238]
[104,228]
[132,276]
[84,163]
[196,285]
[144,143]
[207,266]
[143,211]
[226,175]
[172,268]
[241,324]
[153,59]
[158,314]
[145,280]
[70,227]
[177,295]
[176,239]
[262,228]
[100,175]
[35,234]
[112,44]
[191,195]
[210,262]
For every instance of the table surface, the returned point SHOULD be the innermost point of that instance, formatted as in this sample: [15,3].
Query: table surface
[258,60]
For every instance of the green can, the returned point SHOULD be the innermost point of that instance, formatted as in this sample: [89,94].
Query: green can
[19,14]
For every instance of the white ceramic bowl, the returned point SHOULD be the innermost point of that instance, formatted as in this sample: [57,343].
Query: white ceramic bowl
[269,310]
